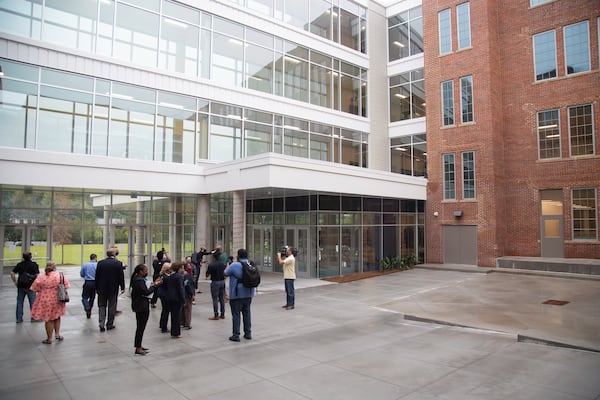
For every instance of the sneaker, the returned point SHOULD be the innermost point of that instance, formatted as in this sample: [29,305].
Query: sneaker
[234,338]
[19,321]
[248,337]
[289,308]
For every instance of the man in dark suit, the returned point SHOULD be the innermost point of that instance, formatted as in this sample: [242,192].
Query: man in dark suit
[109,277]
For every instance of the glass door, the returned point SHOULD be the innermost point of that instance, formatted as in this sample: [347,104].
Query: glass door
[133,244]
[298,238]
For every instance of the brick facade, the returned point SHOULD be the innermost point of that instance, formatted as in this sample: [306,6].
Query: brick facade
[509,174]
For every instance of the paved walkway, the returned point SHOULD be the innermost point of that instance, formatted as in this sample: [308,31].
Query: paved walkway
[369,339]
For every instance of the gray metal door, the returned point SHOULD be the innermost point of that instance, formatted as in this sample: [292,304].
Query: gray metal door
[551,223]
[460,244]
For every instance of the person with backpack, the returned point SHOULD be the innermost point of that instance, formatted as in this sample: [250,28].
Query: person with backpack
[27,271]
[240,296]
[289,276]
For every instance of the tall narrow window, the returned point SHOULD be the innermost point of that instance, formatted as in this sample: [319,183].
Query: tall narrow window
[577,48]
[449,177]
[448,103]
[581,130]
[463,17]
[585,222]
[466,98]
[468,167]
[544,53]
[445,31]
[548,128]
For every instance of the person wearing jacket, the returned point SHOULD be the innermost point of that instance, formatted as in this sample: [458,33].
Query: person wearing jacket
[240,297]
[140,304]
[175,295]
[109,278]
[25,269]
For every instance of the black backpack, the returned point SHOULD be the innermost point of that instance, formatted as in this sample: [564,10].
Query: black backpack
[250,275]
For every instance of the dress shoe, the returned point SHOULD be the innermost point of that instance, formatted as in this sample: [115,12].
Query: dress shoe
[222,317]
[234,338]
[213,318]
[289,308]
[109,328]
[286,306]
[176,337]
[248,337]
[88,314]
[141,353]
[102,329]
[19,321]
[146,350]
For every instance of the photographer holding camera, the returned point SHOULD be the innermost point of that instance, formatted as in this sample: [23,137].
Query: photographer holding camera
[289,275]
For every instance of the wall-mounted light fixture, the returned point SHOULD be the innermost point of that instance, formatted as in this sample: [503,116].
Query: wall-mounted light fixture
[458,214]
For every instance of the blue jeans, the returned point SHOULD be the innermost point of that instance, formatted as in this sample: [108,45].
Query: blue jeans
[241,306]
[217,292]
[289,292]
[21,293]
[88,295]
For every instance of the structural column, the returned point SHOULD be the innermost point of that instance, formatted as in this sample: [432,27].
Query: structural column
[203,222]
[239,221]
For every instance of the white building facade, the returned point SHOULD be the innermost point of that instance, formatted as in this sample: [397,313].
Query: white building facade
[185,124]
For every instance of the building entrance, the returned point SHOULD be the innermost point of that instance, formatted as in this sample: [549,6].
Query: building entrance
[134,245]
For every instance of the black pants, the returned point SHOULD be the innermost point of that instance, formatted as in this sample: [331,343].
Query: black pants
[141,319]
[164,314]
[175,312]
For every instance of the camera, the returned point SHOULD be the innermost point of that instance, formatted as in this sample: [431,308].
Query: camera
[284,251]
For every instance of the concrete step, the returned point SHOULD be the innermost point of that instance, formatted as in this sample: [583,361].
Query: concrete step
[583,266]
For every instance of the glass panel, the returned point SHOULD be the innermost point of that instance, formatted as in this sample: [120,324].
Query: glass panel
[131,129]
[225,139]
[320,86]
[466,98]
[295,143]
[320,18]
[464,25]
[445,31]
[179,46]
[136,35]
[371,248]
[259,68]
[349,29]
[175,129]
[449,177]
[544,48]
[350,250]
[448,103]
[552,228]
[468,161]
[21,18]
[100,131]
[296,13]
[581,130]
[549,134]
[104,43]
[296,78]
[64,122]
[18,102]
[258,138]
[320,147]
[227,60]
[71,23]
[577,48]
[329,251]
[584,214]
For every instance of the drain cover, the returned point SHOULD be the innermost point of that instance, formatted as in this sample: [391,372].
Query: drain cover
[556,302]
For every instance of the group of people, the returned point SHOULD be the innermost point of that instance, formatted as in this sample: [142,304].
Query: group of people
[174,283]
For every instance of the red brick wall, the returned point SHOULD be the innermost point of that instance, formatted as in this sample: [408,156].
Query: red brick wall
[508,173]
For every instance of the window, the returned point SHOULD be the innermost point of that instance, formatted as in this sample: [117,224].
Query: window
[405,34]
[468,165]
[448,103]
[584,214]
[548,128]
[537,2]
[544,53]
[445,31]
[581,130]
[464,25]
[407,95]
[466,99]
[449,177]
[409,155]
[577,48]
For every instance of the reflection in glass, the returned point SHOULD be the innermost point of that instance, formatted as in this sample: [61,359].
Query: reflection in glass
[577,48]
[227,60]
[71,23]
[259,68]
[544,49]
[18,102]
[179,46]
[136,35]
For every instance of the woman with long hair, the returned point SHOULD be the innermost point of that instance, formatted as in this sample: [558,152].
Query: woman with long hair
[46,307]
[140,303]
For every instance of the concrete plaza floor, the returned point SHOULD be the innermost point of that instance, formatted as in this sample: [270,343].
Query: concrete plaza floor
[426,333]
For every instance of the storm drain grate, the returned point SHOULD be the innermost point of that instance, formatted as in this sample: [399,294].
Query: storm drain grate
[556,302]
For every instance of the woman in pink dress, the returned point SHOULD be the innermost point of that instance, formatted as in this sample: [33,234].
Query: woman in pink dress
[46,307]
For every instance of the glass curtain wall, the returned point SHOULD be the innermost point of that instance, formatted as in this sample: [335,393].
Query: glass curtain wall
[68,225]
[51,110]
[185,40]
[347,234]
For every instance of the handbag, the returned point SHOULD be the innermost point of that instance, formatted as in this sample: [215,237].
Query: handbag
[63,294]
